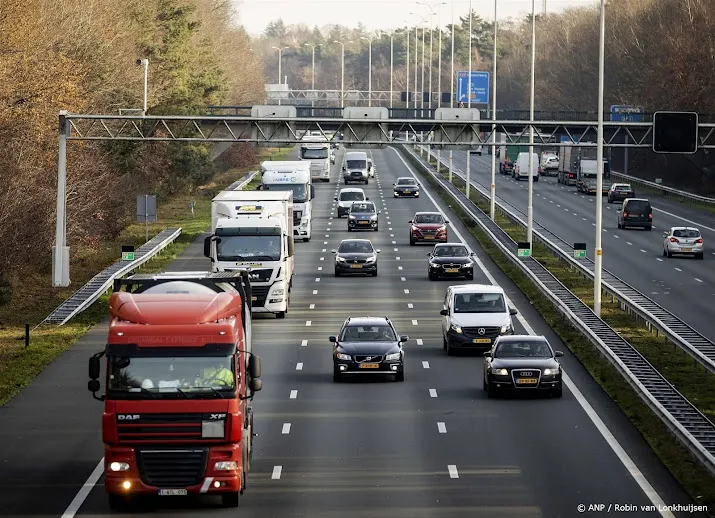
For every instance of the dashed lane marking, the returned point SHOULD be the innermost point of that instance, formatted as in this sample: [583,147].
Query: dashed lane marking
[308,323]
[432,392]
[441,427]
[312,306]
[414,322]
[420,341]
[425,365]
[286,429]
[410,306]
[299,366]
[293,394]
[276,475]
[453,473]
[304,343]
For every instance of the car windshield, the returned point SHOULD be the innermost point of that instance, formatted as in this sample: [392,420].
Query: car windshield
[308,153]
[355,247]
[450,251]
[356,164]
[247,248]
[686,233]
[428,218]
[526,349]
[406,181]
[300,191]
[479,303]
[152,377]
[352,196]
[368,333]
[362,207]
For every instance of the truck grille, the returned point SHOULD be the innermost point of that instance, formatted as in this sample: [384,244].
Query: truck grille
[162,428]
[473,332]
[262,275]
[172,468]
[259,293]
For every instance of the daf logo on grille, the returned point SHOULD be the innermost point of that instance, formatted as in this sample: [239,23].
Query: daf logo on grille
[128,417]
[481,331]
[527,373]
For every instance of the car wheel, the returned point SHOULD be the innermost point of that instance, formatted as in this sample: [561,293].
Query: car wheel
[668,253]
[337,273]
[610,200]
[491,391]
[431,276]
[118,502]
[281,314]
[619,225]
[470,277]
[699,256]
[665,254]
[349,229]
[400,376]
[374,274]
[649,228]
[306,239]
[559,392]
[412,242]
[336,375]
[450,349]
[485,385]
[376,228]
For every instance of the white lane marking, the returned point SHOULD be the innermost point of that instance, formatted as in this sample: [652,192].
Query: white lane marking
[396,250]
[425,365]
[698,279]
[414,322]
[403,279]
[394,243]
[322,258]
[317,279]
[617,237]
[659,259]
[678,269]
[399,267]
[633,470]
[407,292]
[593,224]
[327,235]
[583,219]
[392,235]
[441,427]
[419,341]
[567,210]
[276,475]
[320,268]
[397,258]
[308,323]
[324,249]
[304,343]
[552,201]
[315,292]
[432,392]
[410,306]
[453,473]
[694,223]
[389,228]
[299,366]
[575,214]
[605,230]
[312,306]
[84,491]
[558,205]
[325,242]
[629,243]
[644,251]
[286,429]
[293,394]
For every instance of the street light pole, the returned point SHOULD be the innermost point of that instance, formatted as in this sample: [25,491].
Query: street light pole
[469,96]
[369,70]
[451,89]
[313,73]
[342,73]
[392,58]
[530,206]
[598,263]
[145,65]
[407,73]
[492,199]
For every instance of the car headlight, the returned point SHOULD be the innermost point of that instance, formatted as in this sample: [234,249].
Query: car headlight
[351,217]
[466,265]
[340,259]
[341,356]
[370,259]
[434,265]
[500,372]
[505,328]
[373,217]
[392,356]
[226,465]
[118,466]
[442,228]
[551,372]
[456,328]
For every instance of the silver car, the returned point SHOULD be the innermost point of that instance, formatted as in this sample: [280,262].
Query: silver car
[683,240]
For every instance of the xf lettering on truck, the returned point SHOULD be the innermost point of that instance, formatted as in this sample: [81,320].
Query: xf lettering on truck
[218,416]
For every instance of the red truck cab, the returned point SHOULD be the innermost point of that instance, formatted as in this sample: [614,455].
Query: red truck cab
[179,376]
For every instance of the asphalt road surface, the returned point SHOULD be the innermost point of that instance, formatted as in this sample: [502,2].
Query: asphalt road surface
[433,446]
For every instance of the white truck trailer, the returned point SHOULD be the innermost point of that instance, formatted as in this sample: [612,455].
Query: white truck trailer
[294,176]
[315,149]
[254,230]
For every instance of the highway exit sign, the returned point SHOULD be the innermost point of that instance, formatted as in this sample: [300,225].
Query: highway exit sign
[523,249]
[127,253]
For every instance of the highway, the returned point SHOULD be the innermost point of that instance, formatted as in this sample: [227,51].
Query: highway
[683,285]
[433,446]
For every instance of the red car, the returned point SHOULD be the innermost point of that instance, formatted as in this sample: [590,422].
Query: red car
[428,227]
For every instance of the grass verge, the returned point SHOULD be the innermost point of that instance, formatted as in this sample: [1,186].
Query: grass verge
[677,367]
[20,365]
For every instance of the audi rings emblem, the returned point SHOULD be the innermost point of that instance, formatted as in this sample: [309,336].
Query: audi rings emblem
[527,373]
[481,331]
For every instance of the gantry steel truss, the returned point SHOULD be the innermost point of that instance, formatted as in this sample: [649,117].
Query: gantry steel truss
[285,132]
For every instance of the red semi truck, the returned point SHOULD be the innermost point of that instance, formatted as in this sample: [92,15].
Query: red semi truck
[179,375]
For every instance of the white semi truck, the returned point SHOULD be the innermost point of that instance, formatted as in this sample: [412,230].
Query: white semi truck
[254,230]
[315,149]
[292,176]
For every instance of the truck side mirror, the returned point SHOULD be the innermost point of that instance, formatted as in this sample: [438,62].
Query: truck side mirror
[332,339]
[256,385]
[207,246]
[312,192]
[94,368]
[444,313]
[254,366]
[93,386]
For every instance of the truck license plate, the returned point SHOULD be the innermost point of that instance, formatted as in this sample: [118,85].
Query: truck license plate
[173,492]
[254,299]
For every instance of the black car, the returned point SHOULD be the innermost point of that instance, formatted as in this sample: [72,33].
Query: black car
[363,216]
[506,167]
[636,212]
[620,191]
[406,186]
[450,260]
[356,256]
[368,345]
[522,363]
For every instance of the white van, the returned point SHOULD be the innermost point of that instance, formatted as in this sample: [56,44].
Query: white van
[473,316]
[347,197]
[355,168]
[521,168]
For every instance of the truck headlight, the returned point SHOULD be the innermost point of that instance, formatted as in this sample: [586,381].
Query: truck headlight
[226,465]
[277,292]
[341,356]
[500,372]
[456,328]
[551,372]
[392,357]
[119,466]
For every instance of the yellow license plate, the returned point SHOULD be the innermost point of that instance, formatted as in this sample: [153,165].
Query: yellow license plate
[369,365]
[429,237]
[407,192]
[254,298]
[363,222]
[355,266]
[451,270]
[687,249]
[526,381]
[482,341]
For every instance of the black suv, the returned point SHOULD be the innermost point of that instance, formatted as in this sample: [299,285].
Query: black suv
[406,186]
[368,345]
[636,212]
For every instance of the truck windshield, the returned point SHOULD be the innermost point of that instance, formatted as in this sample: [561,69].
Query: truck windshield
[171,377]
[357,164]
[308,153]
[249,248]
[299,190]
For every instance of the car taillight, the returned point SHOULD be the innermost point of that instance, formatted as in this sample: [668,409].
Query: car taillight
[625,214]
[650,216]
[699,240]
[673,240]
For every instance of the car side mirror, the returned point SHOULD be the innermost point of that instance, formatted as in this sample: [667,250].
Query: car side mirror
[256,385]
[665,234]
[367,199]
[343,168]
[409,221]
[379,212]
[446,222]
[404,338]
[378,251]
[558,353]
[334,251]
[488,354]
[94,368]
[254,366]
[444,312]
[394,184]
[333,339]
[335,199]
[513,312]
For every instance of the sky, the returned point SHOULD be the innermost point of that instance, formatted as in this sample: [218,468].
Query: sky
[254,15]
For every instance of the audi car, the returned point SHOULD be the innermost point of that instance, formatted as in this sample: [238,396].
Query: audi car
[428,227]
[683,240]
[355,256]
[346,197]
[363,216]
[406,186]
[522,363]
[620,191]
[450,260]
[368,345]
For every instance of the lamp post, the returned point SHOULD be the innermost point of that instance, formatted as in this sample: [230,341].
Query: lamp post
[469,97]
[280,51]
[369,70]
[313,73]
[492,199]
[451,89]
[599,164]
[530,206]
[342,73]
[144,63]
[431,58]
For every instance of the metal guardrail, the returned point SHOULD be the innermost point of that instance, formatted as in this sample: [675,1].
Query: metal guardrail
[664,188]
[700,348]
[240,184]
[684,420]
